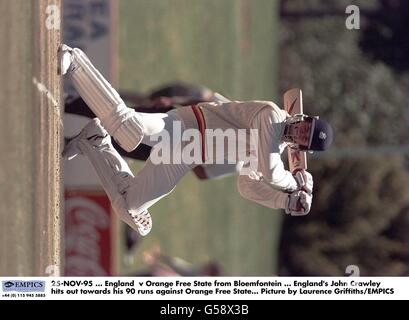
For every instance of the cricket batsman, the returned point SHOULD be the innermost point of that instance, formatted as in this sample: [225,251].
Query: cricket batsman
[268,183]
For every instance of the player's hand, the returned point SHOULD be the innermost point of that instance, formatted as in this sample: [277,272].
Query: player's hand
[298,203]
[304,181]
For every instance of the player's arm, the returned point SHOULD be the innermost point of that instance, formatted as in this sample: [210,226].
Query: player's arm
[297,203]
[270,165]
[260,193]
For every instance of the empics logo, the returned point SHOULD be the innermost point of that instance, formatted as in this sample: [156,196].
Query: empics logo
[23,286]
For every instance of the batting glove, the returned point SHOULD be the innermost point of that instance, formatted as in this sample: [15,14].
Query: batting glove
[304,181]
[298,203]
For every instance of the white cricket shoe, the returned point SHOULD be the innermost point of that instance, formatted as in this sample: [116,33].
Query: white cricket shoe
[143,221]
[93,132]
[64,59]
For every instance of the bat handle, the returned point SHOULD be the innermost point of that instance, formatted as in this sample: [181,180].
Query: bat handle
[297,179]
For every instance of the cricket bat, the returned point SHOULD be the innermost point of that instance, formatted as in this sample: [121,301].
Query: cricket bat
[297,160]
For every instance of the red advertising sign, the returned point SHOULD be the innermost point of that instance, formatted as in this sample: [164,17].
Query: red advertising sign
[88,229]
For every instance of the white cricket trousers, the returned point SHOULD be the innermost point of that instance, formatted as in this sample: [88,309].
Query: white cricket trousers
[154,181]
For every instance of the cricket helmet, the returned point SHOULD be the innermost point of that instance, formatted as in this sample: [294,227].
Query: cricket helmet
[321,133]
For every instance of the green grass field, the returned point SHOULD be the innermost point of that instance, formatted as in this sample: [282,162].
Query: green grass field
[229,46]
